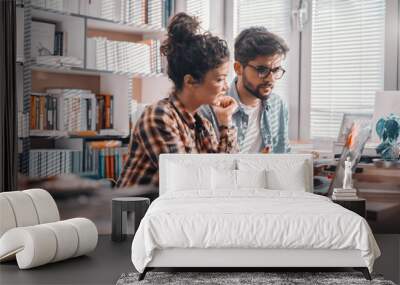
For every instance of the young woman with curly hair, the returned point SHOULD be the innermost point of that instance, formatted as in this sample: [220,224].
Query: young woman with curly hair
[198,66]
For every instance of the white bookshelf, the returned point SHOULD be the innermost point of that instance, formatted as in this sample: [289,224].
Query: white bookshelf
[112,26]
[78,20]
[94,72]
[104,24]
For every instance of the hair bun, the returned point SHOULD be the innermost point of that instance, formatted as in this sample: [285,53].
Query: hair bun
[183,28]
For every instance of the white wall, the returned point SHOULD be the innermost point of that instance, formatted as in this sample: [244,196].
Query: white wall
[155,88]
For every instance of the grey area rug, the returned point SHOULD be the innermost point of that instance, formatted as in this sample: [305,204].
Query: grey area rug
[225,278]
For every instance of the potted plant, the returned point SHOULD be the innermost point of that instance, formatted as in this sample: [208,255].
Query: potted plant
[388,130]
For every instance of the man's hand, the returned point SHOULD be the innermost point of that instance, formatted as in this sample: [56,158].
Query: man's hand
[224,107]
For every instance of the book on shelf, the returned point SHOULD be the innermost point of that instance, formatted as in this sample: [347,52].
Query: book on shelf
[155,56]
[106,157]
[154,13]
[49,4]
[97,158]
[76,109]
[43,113]
[136,12]
[105,111]
[119,56]
[71,6]
[60,43]
[50,162]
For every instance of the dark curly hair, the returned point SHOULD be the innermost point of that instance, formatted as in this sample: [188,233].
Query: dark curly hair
[258,41]
[190,52]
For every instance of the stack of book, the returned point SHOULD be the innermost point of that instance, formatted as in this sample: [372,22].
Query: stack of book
[344,194]
[120,56]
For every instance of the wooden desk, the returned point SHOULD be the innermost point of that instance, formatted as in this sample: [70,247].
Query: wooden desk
[381,188]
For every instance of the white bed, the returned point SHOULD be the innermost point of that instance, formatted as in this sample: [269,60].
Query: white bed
[220,210]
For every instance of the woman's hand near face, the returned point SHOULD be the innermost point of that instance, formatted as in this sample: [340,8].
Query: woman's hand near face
[224,107]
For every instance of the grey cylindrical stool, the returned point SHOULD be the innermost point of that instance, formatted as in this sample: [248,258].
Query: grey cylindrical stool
[120,207]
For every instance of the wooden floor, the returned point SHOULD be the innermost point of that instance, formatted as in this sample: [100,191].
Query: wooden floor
[103,266]
[110,259]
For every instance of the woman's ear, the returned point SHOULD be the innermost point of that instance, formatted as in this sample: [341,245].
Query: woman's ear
[189,81]
[238,67]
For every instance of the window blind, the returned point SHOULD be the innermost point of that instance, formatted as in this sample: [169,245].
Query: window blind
[276,17]
[347,61]
[201,9]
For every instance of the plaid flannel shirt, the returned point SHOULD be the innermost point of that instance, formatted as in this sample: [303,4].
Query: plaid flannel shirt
[166,127]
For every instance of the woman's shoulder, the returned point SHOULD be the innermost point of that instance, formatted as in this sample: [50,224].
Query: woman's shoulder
[158,108]
[160,111]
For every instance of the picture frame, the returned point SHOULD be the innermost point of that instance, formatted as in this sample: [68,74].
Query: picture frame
[347,122]
[354,143]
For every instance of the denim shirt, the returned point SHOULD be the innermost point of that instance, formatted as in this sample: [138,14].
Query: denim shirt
[273,124]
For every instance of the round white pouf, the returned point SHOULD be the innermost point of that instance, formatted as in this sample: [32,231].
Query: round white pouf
[40,244]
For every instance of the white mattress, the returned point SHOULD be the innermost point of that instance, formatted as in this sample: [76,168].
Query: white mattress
[252,218]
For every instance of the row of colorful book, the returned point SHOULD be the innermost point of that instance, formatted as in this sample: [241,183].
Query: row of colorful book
[105,158]
[99,159]
[140,57]
[151,12]
[71,110]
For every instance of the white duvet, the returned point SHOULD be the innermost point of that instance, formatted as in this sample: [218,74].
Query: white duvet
[253,218]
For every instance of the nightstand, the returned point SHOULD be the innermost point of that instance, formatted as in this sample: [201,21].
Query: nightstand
[357,205]
[120,207]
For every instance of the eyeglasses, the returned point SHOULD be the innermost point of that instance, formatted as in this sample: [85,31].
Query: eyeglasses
[264,71]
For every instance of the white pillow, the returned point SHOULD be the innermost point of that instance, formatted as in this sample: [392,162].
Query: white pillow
[251,178]
[224,179]
[281,174]
[293,180]
[188,177]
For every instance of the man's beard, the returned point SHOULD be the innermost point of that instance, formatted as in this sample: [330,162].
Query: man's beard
[255,92]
